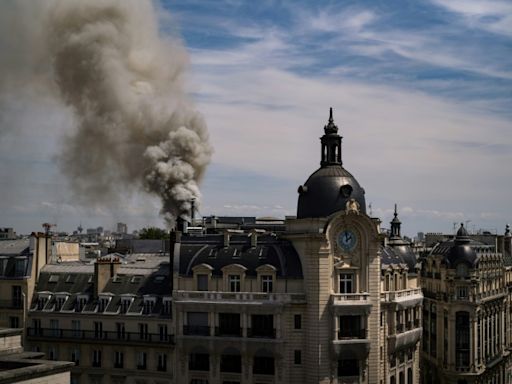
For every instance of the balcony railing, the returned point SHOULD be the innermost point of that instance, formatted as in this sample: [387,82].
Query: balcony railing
[350,298]
[72,334]
[400,295]
[261,333]
[200,330]
[351,334]
[277,298]
[228,332]
[11,304]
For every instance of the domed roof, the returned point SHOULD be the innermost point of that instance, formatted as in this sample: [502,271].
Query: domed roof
[327,191]
[460,249]
[330,187]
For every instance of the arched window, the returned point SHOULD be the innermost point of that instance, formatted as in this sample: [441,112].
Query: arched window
[409,376]
[392,380]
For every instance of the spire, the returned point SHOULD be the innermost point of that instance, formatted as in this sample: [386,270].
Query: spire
[331,143]
[395,225]
[330,128]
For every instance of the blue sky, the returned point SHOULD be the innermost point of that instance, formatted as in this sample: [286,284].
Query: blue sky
[421,91]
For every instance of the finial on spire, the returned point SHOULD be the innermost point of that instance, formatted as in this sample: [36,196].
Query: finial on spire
[396,213]
[330,127]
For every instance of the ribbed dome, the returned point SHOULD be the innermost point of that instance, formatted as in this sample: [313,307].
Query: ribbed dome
[327,191]
[330,187]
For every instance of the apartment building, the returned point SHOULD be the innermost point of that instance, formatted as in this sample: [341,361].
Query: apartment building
[112,318]
[323,297]
[467,310]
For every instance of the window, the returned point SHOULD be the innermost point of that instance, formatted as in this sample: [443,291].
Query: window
[263,365]
[16,296]
[202,282]
[118,359]
[36,325]
[229,325]
[234,283]
[125,304]
[297,357]
[80,304]
[148,306]
[59,303]
[162,332]
[75,356]
[96,358]
[162,362]
[350,328]
[120,330]
[54,327]
[52,353]
[297,321]
[462,270]
[346,282]
[197,324]
[98,330]
[462,292]
[266,283]
[143,331]
[231,363]
[20,267]
[141,360]
[102,304]
[167,307]
[14,322]
[462,339]
[199,362]
[262,326]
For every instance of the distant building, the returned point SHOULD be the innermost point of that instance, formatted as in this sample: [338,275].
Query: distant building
[122,228]
[7,234]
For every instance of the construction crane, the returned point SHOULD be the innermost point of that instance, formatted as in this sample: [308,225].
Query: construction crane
[47,227]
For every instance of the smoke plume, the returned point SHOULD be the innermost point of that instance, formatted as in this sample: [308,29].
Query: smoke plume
[135,127]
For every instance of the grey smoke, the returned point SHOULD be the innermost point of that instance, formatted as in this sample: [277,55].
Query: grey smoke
[135,128]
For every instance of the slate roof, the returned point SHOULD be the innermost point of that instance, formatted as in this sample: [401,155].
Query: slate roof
[138,276]
[15,247]
[209,249]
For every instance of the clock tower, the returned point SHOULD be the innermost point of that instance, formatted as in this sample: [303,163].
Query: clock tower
[339,247]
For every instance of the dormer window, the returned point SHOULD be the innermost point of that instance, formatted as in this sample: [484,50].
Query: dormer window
[20,267]
[234,283]
[125,304]
[59,303]
[266,283]
[80,303]
[148,306]
[202,282]
[462,270]
[41,302]
[103,303]
[167,306]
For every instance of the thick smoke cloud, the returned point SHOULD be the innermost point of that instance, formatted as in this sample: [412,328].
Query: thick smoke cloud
[134,128]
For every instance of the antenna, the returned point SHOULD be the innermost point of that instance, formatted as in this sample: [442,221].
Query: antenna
[370,208]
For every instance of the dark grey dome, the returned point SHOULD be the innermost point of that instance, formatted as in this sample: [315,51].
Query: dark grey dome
[327,191]
[460,249]
[330,187]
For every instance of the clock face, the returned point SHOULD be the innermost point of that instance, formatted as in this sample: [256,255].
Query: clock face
[347,240]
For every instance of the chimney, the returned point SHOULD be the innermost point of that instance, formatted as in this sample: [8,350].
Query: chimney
[192,211]
[104,269]
[228,233]
[254,236]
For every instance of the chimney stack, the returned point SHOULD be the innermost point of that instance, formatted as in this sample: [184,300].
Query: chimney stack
[104,269]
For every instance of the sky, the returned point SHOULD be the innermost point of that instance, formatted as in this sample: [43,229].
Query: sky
[421,92]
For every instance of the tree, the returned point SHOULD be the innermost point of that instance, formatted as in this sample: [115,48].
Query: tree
[153,233]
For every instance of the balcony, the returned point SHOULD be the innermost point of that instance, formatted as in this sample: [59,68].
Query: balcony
[73,335]
[404,339]
[269,333]
[228,332]
[240,298]
[351,303]
[406,298]
[196,330]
